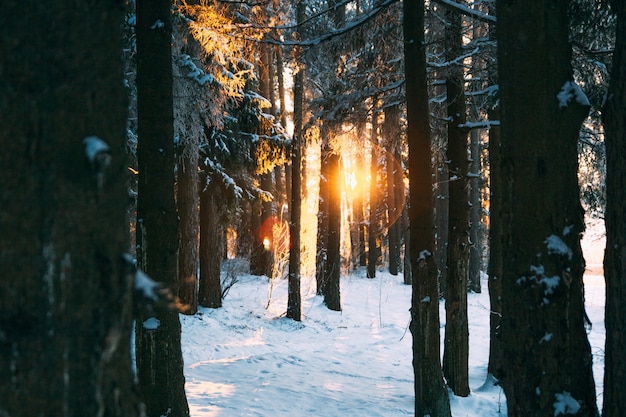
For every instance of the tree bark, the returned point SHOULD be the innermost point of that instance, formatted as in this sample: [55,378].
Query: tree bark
[158,350]
[543,313]
[496,355]
[332,270]
[395,187]
[65,289]
[431,395]
[456,340]
[373,230]
[187,204]
[615,252]
[321,252]
[294,302]
[475,265]
[210,288]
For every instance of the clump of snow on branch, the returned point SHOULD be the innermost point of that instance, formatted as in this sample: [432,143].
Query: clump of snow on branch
[195,73]
[94,146]
[146,286]
[157,25]
[555,245]
[151,323]
[565,404]
[571,91]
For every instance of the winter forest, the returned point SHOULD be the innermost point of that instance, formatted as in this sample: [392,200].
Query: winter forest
[219,208]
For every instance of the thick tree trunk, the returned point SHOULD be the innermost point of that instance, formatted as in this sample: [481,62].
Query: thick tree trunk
[373,232]
[210,287]
[431,394]
[332,270]
[442,208]
[615,254]
[476,231]
[321,252]
[65,289]
[187,203]
[158,351]
[543,313]
[456,340]
[395,188]
[496,358]
[294,302]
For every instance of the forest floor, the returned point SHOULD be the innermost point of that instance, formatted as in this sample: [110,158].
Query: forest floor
[247,359]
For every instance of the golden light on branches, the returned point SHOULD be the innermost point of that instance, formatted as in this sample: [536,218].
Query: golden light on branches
[228,56]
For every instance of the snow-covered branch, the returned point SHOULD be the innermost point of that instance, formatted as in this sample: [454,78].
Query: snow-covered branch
[480,16]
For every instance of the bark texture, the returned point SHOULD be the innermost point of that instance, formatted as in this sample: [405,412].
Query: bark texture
[431,394]
[615,254]
[543,315]
[158,350]
[65,288]
[456,339]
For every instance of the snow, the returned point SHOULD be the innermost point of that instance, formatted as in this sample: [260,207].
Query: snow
[248,360]
[146,286]
[158,24]
[565,404]
[556,245]
[93,146]
[151,323]
[571,91]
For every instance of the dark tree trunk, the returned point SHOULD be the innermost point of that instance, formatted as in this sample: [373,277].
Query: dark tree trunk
[187,203]
[615,254]
[476,231]
[210,288]
[158,351]
[65,289]
[321,252]
[442,207]
[188,129]
[456,340]
[332,270]
[395,188]
[373,232]
[431,394]
[496,356]
[262,259]
[294,302]
[543,313]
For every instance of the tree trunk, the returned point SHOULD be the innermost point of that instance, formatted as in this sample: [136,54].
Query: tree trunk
[158,351]
[65,289]
[294,302]
[332,270]
[210,288]
[456,340]
[431,394]
[373,233]
[187,203]
[476,230]
[321,253]
[395,188]
[615,253]
[496,355]
[442,209]
[543,313]
[189,131]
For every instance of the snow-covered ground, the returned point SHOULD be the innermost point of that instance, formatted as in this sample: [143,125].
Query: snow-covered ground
[247,359]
